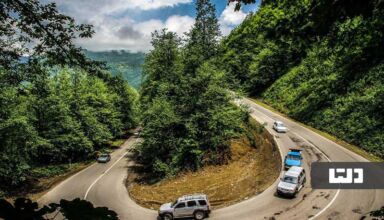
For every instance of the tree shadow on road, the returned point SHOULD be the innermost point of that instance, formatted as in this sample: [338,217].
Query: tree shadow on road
[77,209]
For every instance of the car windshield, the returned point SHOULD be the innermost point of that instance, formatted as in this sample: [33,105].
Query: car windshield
[279,124]
[293,157]
[103,156]
[174,203]
[290,179]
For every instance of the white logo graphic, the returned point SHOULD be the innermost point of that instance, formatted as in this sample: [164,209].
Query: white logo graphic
[348,178]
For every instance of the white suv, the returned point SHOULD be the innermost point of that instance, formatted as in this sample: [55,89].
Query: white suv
[292,181]
[195,205]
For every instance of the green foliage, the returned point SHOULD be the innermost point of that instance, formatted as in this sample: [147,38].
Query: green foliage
[320,66]
[17,136]
[51,112]
[188,116]
[202,40]
[47,171]
[59,116]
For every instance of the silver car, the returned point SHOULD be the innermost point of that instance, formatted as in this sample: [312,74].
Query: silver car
[292,181]
[104,158]
[280,127]
[196,206]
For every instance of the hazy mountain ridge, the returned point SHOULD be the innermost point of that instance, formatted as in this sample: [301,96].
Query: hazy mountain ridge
[123,62]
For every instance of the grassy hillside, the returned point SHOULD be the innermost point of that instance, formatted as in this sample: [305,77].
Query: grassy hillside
[122,62]
[322,67]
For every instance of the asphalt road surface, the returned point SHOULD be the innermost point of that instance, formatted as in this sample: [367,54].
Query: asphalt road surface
[103,184]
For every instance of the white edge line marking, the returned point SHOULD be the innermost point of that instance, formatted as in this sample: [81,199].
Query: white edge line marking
[338,191]
[105,172]
[304,127]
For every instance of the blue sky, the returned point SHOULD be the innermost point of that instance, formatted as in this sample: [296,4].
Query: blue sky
[128,24]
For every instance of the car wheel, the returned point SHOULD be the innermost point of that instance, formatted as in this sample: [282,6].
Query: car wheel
[168,217]
[199,215]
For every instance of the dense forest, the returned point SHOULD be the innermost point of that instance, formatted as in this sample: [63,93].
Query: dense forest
[188,117]
[124,63]
[320,62]
[56,105]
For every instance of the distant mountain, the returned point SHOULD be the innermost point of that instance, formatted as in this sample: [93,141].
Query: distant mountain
[122,62]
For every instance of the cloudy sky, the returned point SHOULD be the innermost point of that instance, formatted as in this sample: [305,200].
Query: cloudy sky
[128,24]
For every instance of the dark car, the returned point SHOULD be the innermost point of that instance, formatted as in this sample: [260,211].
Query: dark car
[104,158]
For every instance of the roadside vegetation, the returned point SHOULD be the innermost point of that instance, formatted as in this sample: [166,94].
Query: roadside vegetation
[254,165]
[56,106]
[319,62]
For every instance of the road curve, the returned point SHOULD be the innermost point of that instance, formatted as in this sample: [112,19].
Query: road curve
[103,184]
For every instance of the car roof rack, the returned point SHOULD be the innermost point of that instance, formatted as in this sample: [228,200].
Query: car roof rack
[193,196]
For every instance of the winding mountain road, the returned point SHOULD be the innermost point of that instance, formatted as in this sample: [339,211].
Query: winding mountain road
[103,184]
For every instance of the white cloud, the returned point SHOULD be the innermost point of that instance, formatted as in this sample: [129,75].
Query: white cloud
[110,6]
[230,18]
[154,4]
[125,34]
[117,30]
[179,24]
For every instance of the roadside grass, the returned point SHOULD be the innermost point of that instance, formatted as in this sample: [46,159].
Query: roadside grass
[43,178]
[351,147]
[115,144]
[48,177]
[254,165]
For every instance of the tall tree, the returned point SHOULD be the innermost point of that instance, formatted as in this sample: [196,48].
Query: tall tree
[202,42]
[188,118]
[162,68]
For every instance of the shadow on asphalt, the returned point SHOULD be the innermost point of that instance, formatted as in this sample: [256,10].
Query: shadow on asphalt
[283,197]
[158,218]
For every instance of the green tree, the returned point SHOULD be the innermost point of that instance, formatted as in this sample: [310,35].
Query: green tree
[319,66]
[17,135]
[188,119]
[202,39]
[162,68]
[126,102]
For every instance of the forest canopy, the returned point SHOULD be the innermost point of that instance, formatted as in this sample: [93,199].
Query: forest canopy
[56,105]
[320,62]
[188,114]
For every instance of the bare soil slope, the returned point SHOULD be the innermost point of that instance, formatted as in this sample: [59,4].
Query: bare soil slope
[252,168]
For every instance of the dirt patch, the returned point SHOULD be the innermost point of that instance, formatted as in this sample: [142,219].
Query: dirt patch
[249,172]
